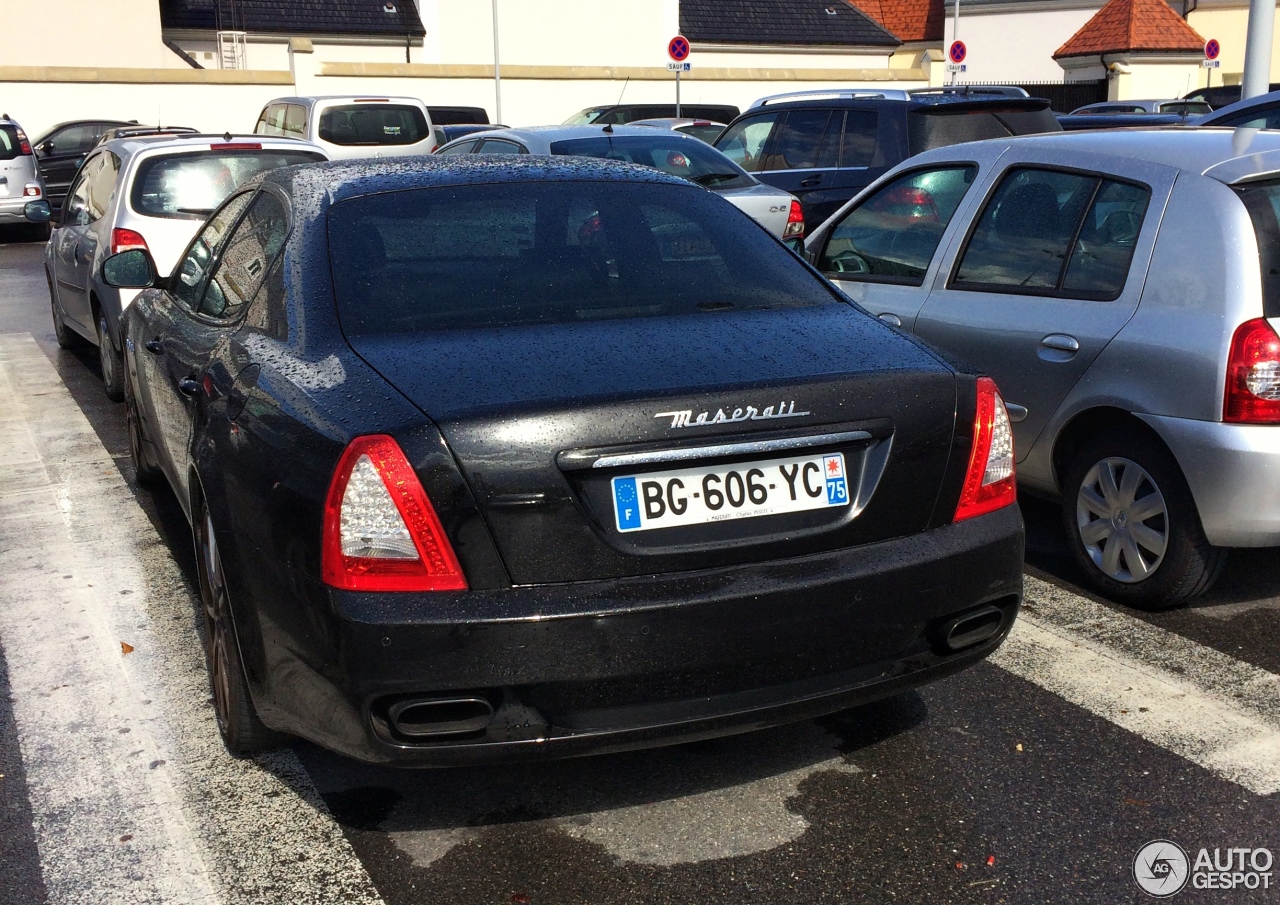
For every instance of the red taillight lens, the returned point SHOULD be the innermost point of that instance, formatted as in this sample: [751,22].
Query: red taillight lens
[126,239]
[32,190]
[795,222]
[236,146]
[989,482]
[1253,375]
[381,532]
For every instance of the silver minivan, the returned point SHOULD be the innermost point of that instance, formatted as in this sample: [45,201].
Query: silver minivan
[351,127]
[20,180]
[1123,289]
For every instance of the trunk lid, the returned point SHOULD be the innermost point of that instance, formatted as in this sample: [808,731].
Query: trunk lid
[542,419]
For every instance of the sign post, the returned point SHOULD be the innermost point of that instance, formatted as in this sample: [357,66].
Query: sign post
[678,50]
[955,59]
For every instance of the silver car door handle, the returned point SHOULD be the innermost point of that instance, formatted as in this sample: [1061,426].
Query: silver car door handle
[1016,412]
[1061,342]
[889,318]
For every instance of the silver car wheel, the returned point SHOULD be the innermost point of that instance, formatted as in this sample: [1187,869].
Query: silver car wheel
[1123,520]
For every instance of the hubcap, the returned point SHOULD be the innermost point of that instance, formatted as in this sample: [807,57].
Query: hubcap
[104,352]
[1123,520]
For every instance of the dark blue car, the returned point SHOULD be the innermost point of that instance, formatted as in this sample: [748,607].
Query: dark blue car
[491,458]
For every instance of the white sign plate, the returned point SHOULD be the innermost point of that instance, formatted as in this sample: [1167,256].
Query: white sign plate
[957,67]
[680,67]
[1210,64]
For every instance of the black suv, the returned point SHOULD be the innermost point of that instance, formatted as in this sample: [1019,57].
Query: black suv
[826,147]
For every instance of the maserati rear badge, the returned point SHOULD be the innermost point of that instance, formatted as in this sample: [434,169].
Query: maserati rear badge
[750,413]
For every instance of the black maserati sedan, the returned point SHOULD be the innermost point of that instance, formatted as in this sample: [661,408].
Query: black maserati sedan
[497,458]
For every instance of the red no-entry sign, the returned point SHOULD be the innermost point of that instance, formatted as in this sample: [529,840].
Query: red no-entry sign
[678,48]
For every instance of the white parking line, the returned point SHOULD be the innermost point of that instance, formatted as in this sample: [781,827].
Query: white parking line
[1211,709]
[132,795]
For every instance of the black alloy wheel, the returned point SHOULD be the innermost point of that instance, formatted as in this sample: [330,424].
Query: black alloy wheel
[238,724]
[1132,524]
[109,361]
[148,474]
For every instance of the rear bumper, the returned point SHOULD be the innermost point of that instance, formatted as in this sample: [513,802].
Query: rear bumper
[606,666]
[1233,471]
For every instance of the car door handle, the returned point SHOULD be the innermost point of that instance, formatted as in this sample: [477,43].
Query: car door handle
[154,345]
[811,181]
[189,386]
[1061,342]
[891,319]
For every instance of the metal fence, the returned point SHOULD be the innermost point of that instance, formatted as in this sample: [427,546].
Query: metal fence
[1064,97]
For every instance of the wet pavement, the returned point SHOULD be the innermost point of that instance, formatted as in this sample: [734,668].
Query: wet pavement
[1035,777]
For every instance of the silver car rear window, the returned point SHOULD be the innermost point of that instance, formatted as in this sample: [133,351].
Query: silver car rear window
[11,143]
[665,151]
[372,124]
[1262,200]
[190,186]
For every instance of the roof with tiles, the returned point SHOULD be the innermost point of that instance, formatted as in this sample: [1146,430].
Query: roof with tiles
[908,20]
[782,22]
[1132,25]
[365,18]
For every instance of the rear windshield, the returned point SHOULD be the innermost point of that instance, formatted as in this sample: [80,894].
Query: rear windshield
[670,152]
[190,186]
[10,143]
[584,117]
[1262,200]
[372,124]
[707,133]
[552,252]
[940,127]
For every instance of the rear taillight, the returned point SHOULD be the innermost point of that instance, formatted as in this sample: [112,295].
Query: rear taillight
[381,532]
[126,239]
[1253,375]
[24,146]
[32,190]
[989,482]
[795,222]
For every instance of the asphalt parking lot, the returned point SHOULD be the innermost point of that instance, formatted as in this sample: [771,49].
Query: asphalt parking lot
[1035,777]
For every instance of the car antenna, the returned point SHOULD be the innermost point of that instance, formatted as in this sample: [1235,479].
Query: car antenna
[226,136]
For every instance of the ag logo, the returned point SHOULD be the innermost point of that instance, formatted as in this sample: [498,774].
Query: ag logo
[1161,868]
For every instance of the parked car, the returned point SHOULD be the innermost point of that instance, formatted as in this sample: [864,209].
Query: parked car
[443,519]
[1117,285]
[140,131]
[663,150]
[619,114]
[150,192]
[350,126]
[458,116]
[973,91]
[1261,112]
[62,149]
[20,180]
[1080,122]
[825,147]
[1178,106]
[446,134]
[1222,95]
[703,129]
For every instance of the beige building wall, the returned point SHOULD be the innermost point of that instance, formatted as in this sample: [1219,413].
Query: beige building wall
[83,33]
[1229,24]
[1158,80]
[1016,46]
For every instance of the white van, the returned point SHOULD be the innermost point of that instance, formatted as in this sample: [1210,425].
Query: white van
[349,126]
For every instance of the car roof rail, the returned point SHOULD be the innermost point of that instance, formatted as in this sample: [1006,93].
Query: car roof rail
[895,94]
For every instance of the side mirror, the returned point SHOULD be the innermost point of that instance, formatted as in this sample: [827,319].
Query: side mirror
[796,244]
[131,269]
[45,148]
[79,162]
[38,211]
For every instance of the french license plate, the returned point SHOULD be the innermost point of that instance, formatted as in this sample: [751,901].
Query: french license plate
[694,496]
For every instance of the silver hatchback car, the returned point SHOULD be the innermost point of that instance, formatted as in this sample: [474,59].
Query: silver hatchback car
[150,192]
[1123,288]
[20,180]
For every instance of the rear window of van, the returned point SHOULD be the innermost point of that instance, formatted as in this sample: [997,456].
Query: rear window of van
[373,124]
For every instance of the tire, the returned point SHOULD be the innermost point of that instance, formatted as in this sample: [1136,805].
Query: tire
[110,361]
[66,337]
[148,474]
[38,232]
[1160,559]
[238,724]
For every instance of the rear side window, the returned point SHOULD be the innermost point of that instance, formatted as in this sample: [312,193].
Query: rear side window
[892,236]
[1046,232]
[552,252]
[10,143]
[295,121]
[1268,118]
[798,143]
[861,132]
[1262,200]
[944,125]
[373,124]
[191,185]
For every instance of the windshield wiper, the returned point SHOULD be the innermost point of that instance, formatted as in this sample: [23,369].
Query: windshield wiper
[709,178]
[202,211]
